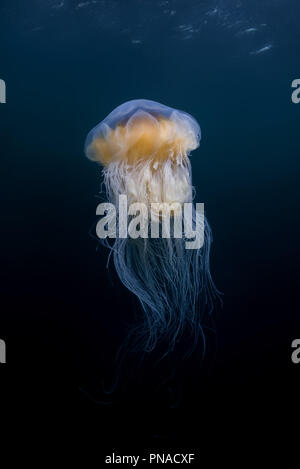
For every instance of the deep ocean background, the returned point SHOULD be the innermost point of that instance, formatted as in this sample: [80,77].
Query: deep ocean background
[63,315]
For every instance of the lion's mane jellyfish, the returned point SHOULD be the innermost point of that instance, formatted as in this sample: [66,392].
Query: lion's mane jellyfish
[144,148]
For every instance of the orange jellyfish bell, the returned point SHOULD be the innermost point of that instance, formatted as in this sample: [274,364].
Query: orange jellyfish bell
[143,129]
[144,147]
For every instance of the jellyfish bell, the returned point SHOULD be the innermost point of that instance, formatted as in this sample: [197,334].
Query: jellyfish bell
[144,148]
[140,129]
[148,145]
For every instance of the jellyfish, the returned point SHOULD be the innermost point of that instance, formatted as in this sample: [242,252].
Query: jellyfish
[143,148]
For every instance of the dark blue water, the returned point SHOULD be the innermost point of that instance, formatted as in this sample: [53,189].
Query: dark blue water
[230,64]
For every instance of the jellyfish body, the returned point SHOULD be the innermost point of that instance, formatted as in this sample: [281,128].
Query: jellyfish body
[144,149]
